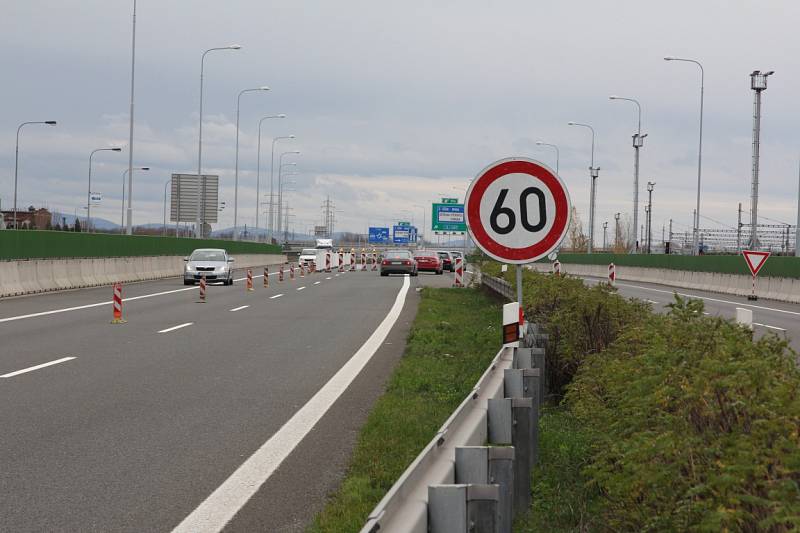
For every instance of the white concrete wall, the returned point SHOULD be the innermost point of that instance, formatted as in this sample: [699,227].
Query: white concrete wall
[42,275]
[782,289]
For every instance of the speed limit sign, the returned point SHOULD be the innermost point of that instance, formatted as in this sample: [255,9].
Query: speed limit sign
[517,210]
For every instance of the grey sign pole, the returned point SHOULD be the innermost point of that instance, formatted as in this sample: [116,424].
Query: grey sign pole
[519,285]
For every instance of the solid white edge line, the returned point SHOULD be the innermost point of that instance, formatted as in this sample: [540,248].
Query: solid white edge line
[223,504]
[239,308]
[703,297]
[768,326]
[276,296]
[37,367]
[179,326]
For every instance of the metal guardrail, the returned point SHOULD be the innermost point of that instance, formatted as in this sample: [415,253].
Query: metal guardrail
[500,286]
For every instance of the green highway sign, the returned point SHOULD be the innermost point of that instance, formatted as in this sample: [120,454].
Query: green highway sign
[404,224]
[449,200]
[448,217]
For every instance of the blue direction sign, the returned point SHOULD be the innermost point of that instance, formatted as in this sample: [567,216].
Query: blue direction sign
[412,234]
[400,234]
[379,235]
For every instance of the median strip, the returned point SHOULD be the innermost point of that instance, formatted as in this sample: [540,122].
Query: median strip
[37,367]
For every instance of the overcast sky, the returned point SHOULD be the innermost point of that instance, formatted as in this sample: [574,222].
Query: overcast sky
[396,103]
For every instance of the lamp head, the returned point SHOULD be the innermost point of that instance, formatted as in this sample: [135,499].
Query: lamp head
[613,97]
[570,123]
[669,58]
[292,137]
[264,88]
[235,47]
[50,122]
[539,143]
[116,149]
[282,115]
[144,168]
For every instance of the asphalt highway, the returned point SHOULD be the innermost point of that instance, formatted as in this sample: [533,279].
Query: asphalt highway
[145,426]
[769,316]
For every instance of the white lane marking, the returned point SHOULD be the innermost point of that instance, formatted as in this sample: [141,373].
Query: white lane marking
[276,296]
[301,288]
[239,308]
[337,275]
[179,326]
[218,509]
[651,301]
[796,313]
[317,282]
[98,304]
[769,327]
[37,367]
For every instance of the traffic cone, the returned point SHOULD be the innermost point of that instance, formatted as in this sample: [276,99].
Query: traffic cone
[117,304]
[202,299]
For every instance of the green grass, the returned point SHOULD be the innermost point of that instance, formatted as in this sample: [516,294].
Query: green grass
[562,499]
[454,337]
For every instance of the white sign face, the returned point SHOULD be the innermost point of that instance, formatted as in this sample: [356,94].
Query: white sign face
[95,198]
[445,216]
[517,210]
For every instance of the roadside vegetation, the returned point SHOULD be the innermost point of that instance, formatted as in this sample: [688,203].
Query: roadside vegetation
[455,335]
[674,422]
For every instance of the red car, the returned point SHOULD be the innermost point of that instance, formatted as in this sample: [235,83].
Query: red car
[429,262]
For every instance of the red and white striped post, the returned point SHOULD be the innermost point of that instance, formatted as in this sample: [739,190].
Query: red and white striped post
[291,271]
[280,273]
[352,259]
[327,262]
[266,277]
[341,260]
[249,285]
[612,273]
[363,259]
[459,279]
[374,260]
[557,268]
[302,270]
[117,304]
[202,299]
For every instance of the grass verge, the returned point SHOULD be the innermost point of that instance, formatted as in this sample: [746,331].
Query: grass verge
[455,335]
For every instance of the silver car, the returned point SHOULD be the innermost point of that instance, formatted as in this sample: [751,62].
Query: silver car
[398,262]
[213,263]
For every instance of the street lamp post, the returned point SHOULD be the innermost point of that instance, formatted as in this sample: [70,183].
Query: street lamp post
[271,225]
[16,161]
[198,232]
[594,172]
[616,229]
[122,219]
[258,164]
[542,143]
[638,142]
[650,186]
[696,229]
[130,132]
[758,83]
[605,234]
[89,192]
[236,171]
[164,233]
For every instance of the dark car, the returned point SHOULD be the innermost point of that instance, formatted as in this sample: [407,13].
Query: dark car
[447,260]
[398,262]
[428,262]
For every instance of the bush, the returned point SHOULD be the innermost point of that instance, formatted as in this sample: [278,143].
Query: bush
[694,426]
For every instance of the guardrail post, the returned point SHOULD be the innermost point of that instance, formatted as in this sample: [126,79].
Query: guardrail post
[539,361]
[524,383]
[462,508]
[523,358]
[485,465]
[509,421]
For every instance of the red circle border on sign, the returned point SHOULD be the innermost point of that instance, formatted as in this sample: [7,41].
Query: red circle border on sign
[520,166]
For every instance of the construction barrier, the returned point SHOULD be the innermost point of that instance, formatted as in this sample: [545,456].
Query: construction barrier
[352,259]
[327,262]
[291,271]
[363,259]
[612,273]
[266,277]
[302,270]
[202,296]
[117,304]
[280,274]
[249,279]
[341,261]
[374,260]
[459,278]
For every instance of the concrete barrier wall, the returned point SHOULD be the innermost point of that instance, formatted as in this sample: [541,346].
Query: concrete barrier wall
[43,275]
[771,288]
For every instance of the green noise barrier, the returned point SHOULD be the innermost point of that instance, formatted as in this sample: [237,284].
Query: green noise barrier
[776,266]
[32,244]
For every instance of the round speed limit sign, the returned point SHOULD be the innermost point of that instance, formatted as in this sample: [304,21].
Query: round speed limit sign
[517,210]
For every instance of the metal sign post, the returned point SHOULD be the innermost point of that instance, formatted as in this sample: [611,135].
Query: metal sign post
[755,260]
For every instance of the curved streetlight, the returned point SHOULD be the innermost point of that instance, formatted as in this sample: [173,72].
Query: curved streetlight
[696,229]
[89,192]
[258,164]
[122,219]
[271,225]
[16,161]
[198,229]
[280,184]
[236,172]
[593,173]
[638,142]
[558,156]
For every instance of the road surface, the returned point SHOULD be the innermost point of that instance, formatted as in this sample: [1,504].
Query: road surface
[132,427]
